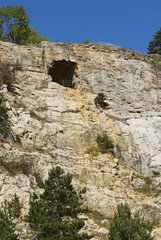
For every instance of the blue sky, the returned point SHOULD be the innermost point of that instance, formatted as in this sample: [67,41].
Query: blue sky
[124,23]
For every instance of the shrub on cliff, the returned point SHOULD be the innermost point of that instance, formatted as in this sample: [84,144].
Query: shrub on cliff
[100,100]
[7,77]
[4,126]
[105,143]
[125,227]
[53,215]
[7,74]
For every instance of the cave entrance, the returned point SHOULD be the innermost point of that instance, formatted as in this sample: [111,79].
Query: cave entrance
[63,72]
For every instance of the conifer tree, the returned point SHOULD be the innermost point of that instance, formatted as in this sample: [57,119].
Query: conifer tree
[155,44]
[126,227]
[7,228]
[10,211]
[54,215]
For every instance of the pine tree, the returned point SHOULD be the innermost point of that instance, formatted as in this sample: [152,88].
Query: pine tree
[7,228]
[10,211]
[53,215]
[155,44]
[125,227]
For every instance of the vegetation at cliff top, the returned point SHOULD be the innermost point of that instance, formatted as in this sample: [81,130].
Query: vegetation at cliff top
[155,44]
[14,26]
[125,226]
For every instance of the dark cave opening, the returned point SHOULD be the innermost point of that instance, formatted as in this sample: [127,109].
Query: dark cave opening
[63,72]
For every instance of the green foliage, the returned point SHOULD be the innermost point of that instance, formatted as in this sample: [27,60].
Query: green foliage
[34,38]
[86,40]
[125,227]
[10,210]
[155,44]
[18,139]
[38,179]
[98,218]
[14,23]
[14,26]
[52,155]
[156,173]
[23,167]
[156,63]
[7,77]
[94,151]
[105,144]
[7,74]
[4,126]
[53,215]
[7,228]
[149,188]
[148,180]
[3,109]
[100,100]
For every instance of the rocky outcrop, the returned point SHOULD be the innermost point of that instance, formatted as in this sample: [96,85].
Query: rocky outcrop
[126,78]
[52,112]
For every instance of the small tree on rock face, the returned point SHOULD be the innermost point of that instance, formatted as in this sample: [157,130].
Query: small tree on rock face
[100,100]
[126,227]
[54,214]
[10,210]
[7,228]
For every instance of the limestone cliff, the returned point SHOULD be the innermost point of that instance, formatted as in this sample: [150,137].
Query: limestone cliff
[52,111]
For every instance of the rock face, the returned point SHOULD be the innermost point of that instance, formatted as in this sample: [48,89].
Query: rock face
[71,120]
[52,111]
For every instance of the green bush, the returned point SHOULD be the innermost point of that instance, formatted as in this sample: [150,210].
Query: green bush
[86,40]
[18,139]
[7,228]
[100,100]
[156,63]
[3,109]
[93,151]
[104,142]
[54,215]
[10,211]
[22,166]
[7,74]
[4,123]
[7,77]
[126,227]
[156,173]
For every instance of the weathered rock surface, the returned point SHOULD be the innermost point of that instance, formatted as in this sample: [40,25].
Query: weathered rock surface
[57,124]
[126,78]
